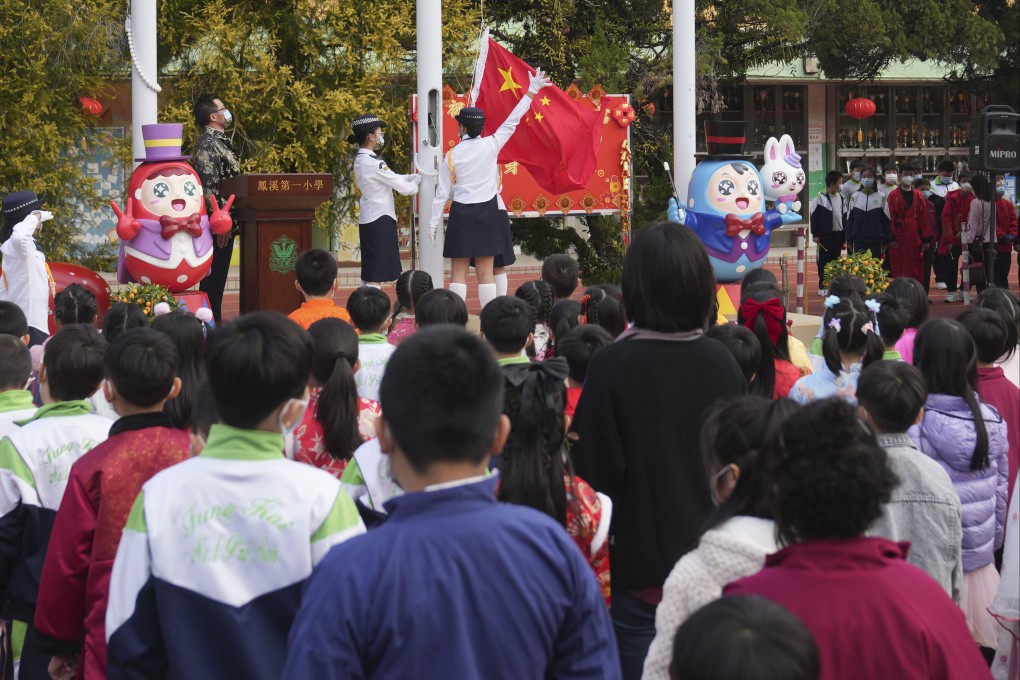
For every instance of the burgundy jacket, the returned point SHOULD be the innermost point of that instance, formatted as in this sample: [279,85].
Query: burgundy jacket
[871,613]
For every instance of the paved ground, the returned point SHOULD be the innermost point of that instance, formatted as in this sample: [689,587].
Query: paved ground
[528,269]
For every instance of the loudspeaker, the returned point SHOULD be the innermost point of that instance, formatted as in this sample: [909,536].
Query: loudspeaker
[995,140]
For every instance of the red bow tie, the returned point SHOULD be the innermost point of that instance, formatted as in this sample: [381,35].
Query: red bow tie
[734,224]
[172,225]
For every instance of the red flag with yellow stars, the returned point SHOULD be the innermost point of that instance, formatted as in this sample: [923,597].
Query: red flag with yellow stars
[557,140]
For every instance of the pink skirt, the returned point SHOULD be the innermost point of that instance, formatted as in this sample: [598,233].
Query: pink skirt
[979,589]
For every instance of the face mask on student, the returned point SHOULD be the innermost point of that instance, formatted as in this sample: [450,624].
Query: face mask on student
[288,430]
[946,179]
[867,181]
[926,193]
[1000,190]
[890,178]
[907,180]
[856,175]
[966,187]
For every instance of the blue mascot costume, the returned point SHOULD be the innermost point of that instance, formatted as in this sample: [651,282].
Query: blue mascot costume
[726,205]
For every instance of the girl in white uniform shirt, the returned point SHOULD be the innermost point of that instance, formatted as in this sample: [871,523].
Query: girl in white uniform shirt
[470,176]
[377,222]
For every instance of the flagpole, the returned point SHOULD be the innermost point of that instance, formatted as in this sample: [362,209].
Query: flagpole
[430,130]
[684,95]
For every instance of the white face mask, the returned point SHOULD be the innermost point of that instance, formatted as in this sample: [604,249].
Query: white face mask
[286,430]
[965,187]
[856,175]
[890,178]
[381,142]
[946,180]
[867,181]
[907,180]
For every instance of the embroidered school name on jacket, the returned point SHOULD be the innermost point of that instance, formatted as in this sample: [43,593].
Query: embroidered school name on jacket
[35,463]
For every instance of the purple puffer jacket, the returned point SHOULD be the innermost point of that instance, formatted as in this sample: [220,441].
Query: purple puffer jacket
[947,435]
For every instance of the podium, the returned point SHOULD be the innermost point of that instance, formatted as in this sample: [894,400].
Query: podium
[275,213]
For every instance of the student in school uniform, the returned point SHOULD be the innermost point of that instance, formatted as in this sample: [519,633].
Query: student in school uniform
[469,176]
[827,224]
[15,369]
[377,220]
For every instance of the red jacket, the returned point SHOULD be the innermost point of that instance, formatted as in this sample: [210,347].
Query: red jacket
[900,216]
[871,613]
[995,388]
[104,483]
[1005,225]
[954,214]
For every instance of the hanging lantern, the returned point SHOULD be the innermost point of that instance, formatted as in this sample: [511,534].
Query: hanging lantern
[624,114]
[91,106]
[860,108]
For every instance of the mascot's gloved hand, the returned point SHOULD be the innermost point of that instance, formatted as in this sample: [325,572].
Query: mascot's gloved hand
[538,81]
[675,213]
[127,225]
[220,221]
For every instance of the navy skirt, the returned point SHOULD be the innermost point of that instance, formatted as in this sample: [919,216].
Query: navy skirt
[380,254]
[478,230]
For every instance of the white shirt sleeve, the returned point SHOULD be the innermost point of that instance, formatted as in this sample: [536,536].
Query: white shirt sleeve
[444,191]
[503,133]
[22,240]
[399,183]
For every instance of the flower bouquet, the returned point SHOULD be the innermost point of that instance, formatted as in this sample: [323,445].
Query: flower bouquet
[863,265]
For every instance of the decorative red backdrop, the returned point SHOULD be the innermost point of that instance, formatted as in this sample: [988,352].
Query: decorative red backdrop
[607,192]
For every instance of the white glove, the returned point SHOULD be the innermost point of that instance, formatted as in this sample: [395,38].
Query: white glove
[433,231]
[42,215]
[416,178]
[538,80]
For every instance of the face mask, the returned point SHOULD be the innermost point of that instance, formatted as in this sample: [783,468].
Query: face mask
[1000,190]
[926,193]
[381,141]
[946,180]
[907,180]
[838,190]
[890,179]
[228,117]
[867,181]
[965,187]
[856,175]
[286,430]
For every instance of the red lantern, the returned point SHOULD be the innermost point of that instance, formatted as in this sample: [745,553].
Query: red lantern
[624,114]
[91,106]
[860,108]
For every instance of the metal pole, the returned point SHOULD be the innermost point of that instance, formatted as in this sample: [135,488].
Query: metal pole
[144,95]
[801,256]
[684,95]
[430,131]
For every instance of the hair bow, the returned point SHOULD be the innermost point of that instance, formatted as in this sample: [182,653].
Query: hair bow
[874,305]
[832,301]
[772,311]
[836,324]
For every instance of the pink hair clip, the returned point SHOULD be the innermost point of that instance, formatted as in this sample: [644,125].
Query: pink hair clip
[868,328]
[836,324]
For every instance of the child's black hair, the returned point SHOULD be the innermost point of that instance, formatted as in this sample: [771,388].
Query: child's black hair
[534,458]
[891,317]
[741,432]
[562,319]
[946,166]
[506,323]
[947,358]
[912,298]
[921,183]
[187,333]
[830,478]
[747,637]
[440,307]
[539,297]
[667,280]
[316,272]
[410,286]
[73,362]
[335,354]
[15,363]
[1005,304]
[832,177]
[846,330]
[369,308]
[764,297]
[846,285]
[204,414]
[602,305]
[122,316]
[256,363]
[989,332]
[12,320]
[442,397]
[893,393]
[75,304]
[579,346]
[141,364]
[742,344]
[560,272]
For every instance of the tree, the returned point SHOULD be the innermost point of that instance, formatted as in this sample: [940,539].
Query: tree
[53,53]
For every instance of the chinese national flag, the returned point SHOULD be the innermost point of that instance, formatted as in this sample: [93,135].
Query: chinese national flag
[557,140]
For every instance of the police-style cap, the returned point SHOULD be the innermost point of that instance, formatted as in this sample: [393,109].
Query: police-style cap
[364,123]
[471,115]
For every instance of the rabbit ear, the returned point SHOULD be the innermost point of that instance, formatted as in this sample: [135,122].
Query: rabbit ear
[770,149]
[787,143]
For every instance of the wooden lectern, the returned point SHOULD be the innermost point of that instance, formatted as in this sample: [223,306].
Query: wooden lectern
[275,213]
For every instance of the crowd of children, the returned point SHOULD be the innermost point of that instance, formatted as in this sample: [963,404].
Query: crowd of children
[604,483]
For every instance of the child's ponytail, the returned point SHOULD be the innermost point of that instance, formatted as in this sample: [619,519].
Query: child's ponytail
[850,328]
[336,354]
[763,313]
[602,305]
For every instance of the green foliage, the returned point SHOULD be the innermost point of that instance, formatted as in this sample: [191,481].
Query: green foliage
[51,53]
[146,296]
[599,257]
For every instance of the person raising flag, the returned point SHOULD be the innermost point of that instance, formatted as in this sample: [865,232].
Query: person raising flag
[470,176]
